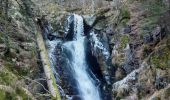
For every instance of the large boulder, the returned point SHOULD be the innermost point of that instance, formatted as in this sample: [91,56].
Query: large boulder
[89,19]
[98,19]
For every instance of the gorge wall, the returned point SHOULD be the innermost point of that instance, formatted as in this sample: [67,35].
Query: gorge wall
[135,34]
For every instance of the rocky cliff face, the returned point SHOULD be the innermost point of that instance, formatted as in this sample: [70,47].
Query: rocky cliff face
[21,75]
[135,33]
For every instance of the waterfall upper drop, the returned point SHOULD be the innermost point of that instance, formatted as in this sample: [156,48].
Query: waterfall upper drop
[85,83]
[74,62]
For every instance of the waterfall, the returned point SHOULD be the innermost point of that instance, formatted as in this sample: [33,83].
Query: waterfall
[85,83]
[69,62]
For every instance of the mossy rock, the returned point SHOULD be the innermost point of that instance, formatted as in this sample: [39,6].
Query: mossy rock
[161,58]
[2,95]
[167,93]
[124,41]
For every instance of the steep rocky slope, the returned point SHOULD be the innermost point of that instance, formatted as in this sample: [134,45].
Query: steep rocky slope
[136,33]
[21,75]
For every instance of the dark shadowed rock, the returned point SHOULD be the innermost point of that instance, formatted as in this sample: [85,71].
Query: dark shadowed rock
[127,29]
[148,38]
[158,33]
[155,36]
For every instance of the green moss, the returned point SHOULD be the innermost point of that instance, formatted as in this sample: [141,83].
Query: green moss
[124,12]
[124,15]
[7,96]
[13,95]
[56,88]
[124,40]
[161,58]
[148,24]
[7,77]
[17,70]
[22,94]
[2,95]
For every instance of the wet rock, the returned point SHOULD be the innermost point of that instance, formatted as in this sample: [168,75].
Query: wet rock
[51,37]
[76,97]
[100,25]
[68,27]
[89,20]
[62,29]
[99,48]
[56,35]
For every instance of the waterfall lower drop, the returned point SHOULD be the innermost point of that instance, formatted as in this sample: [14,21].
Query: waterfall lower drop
[85,83]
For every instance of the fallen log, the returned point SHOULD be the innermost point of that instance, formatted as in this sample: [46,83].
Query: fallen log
[52,86]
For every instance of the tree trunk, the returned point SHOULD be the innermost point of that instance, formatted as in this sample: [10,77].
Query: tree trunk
[52,86]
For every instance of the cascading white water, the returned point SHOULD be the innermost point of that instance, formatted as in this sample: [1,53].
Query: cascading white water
[85,83]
